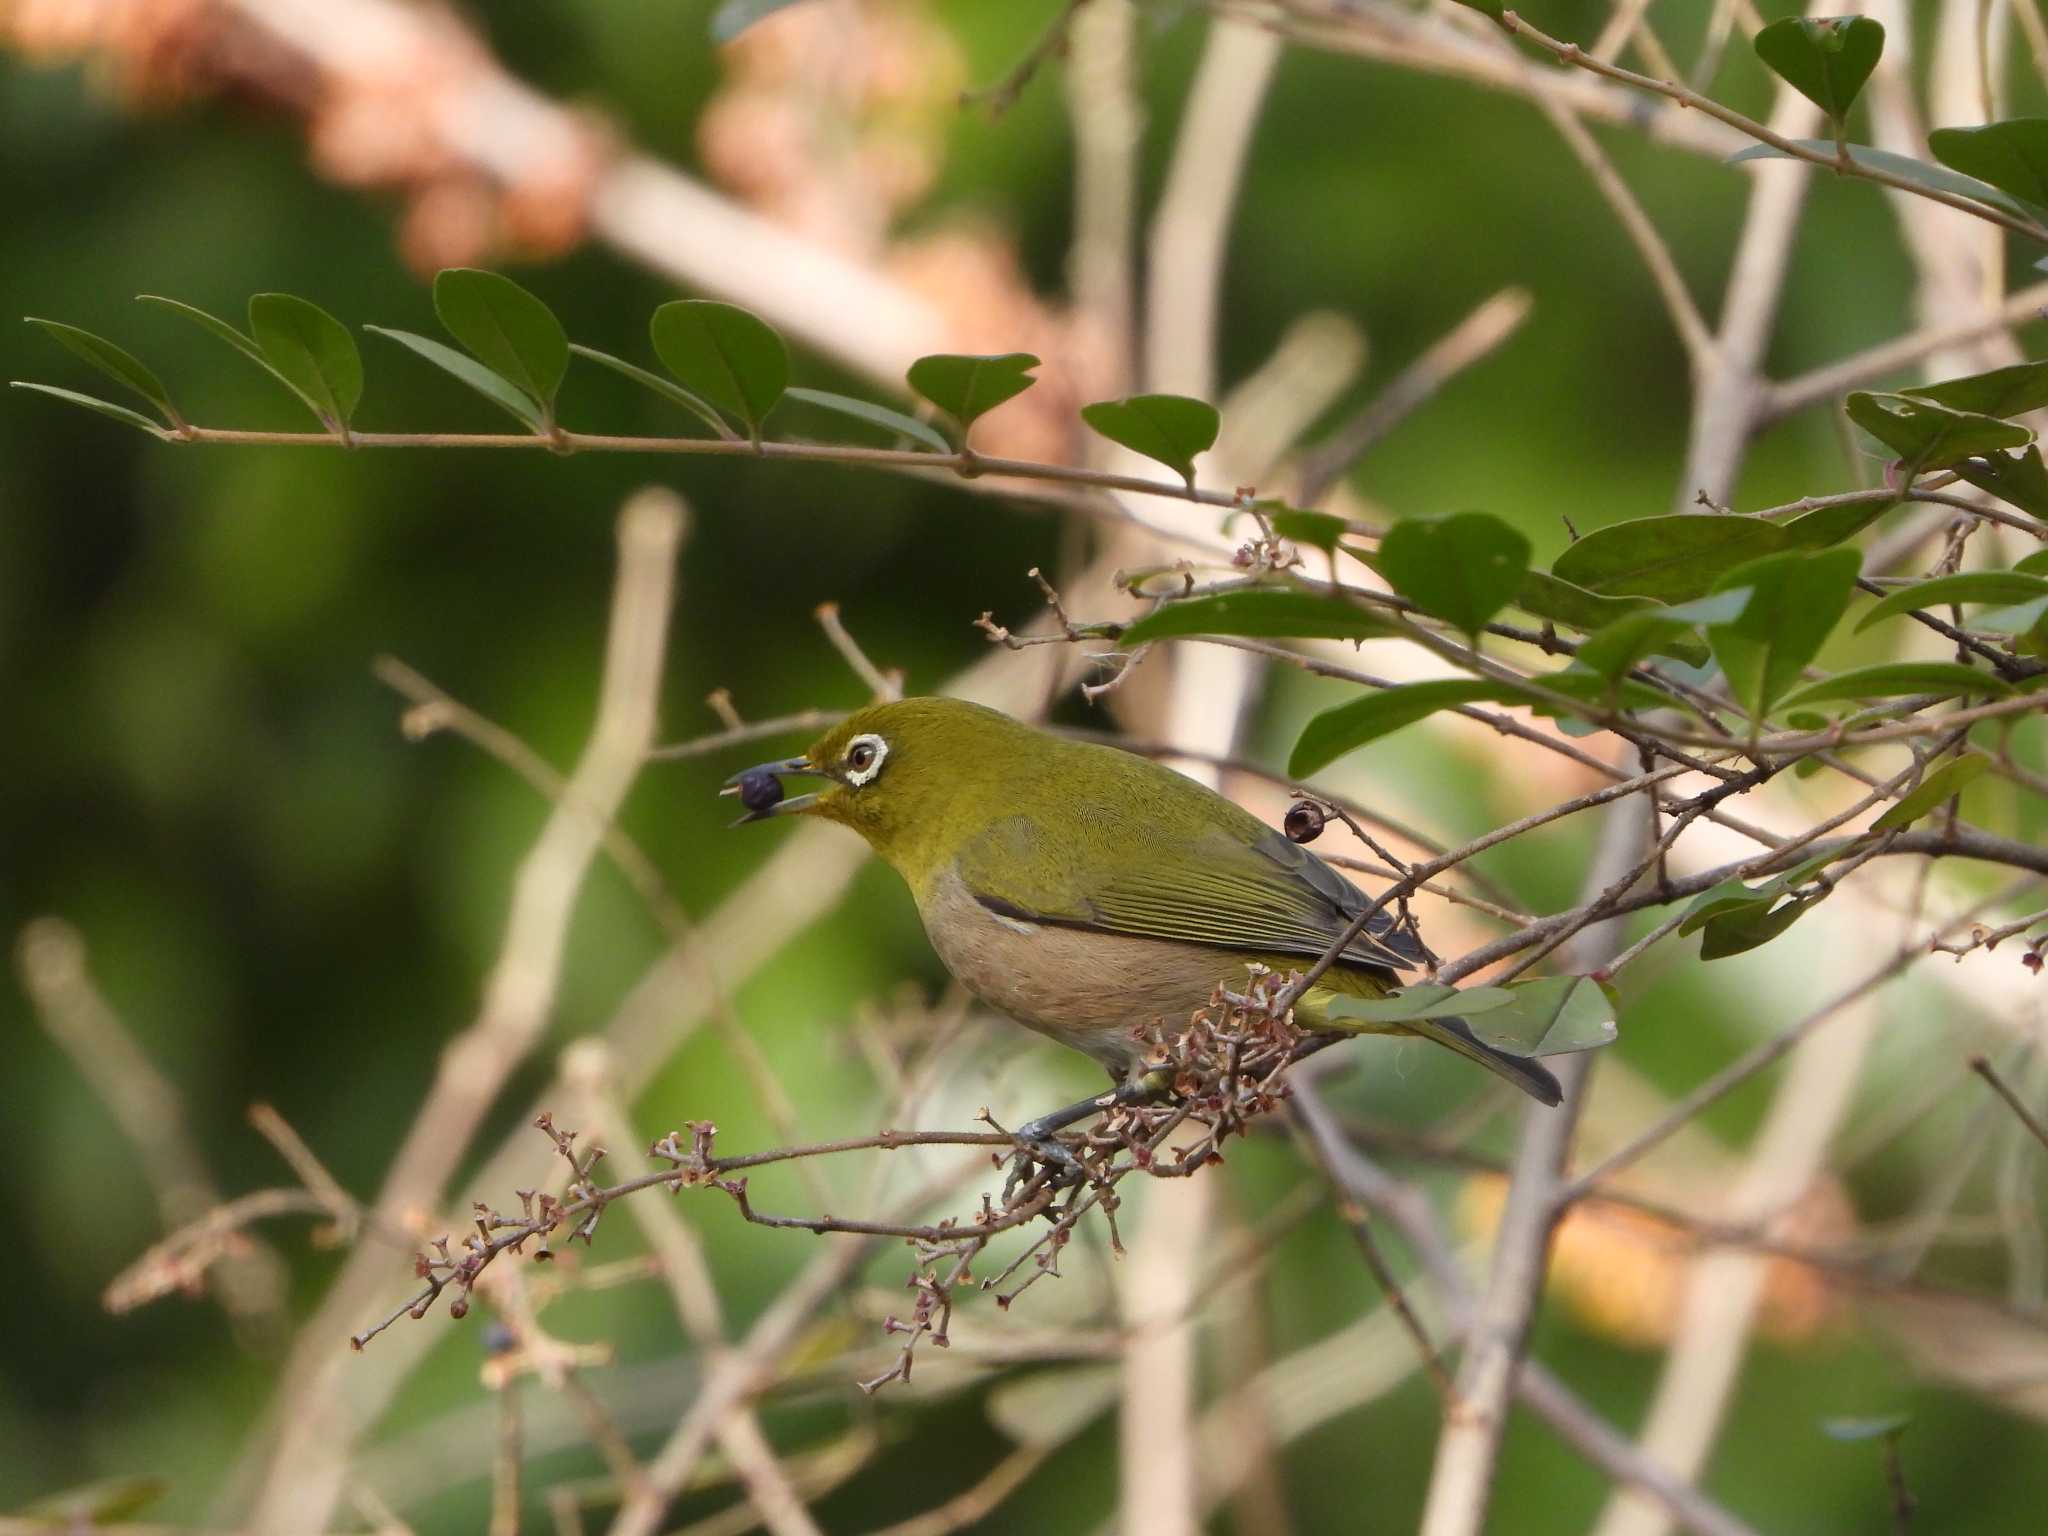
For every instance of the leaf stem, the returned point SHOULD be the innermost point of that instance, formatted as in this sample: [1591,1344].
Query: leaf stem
[971,464]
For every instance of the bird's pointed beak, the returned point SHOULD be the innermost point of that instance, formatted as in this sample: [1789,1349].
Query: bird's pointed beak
[760,790]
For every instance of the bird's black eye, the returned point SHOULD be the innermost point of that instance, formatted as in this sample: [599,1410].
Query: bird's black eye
[864,758]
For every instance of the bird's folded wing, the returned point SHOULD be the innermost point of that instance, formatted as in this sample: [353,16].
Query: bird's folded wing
[1266,895]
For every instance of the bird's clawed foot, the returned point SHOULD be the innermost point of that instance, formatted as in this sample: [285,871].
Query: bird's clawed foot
[1041,1157]
[1041,1154]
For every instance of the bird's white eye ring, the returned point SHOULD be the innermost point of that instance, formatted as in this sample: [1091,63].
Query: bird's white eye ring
[864,758]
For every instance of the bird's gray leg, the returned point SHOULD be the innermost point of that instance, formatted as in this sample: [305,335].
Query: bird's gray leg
[1038,1140]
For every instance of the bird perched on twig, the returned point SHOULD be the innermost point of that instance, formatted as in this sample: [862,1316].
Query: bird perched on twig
[1084,890]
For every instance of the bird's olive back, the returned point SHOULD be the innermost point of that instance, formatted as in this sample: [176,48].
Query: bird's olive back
[920,778]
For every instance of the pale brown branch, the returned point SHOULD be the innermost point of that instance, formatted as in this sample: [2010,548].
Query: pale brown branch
[1468,342]
[1759,1057]
[695,1293]
[1611,1451]
[974,1504]
[1427,42]
[1824,383]
[735,1376]
[806,720]
[1468,1451]
[319,1182]
[883,685]
[436,709]
[248,1278]
[1643,234]
[315,1434]
[1572,54]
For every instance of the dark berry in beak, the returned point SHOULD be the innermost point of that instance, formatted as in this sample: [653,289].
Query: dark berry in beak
[759,790]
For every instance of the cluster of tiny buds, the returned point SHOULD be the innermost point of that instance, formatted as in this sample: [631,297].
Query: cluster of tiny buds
[693,1166]
[1205,1082]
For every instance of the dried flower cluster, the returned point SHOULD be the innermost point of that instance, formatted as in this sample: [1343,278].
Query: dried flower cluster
[1202,1085]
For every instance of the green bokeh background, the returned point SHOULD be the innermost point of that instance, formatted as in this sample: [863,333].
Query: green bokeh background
[286,902]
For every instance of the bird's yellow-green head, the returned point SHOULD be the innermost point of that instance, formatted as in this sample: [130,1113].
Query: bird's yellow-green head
[915,777]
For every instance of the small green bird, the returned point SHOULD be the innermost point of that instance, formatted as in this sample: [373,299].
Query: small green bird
[1084,890]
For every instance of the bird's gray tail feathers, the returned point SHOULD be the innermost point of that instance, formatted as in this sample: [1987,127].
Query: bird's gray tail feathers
[1525,1074]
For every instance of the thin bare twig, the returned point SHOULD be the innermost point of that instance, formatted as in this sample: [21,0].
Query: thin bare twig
[1642,233]
[884,685]
[740,1433]
[1469,341]
[1983,1068]
[246,1275]
[1760,1057]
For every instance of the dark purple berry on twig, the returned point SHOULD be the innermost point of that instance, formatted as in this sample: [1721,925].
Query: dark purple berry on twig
[1305,821]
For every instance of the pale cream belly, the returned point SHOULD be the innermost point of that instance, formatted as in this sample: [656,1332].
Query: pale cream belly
[1086,989]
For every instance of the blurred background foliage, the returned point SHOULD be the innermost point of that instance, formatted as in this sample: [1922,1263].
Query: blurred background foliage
[286,902]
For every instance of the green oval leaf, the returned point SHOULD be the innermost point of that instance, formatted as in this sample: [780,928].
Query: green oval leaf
[1424,1000]
[1170,429]
[1749,927]
[1273,612]
[119,413]
[1728,896]
[663,387]
[2012,156]
[2016,478]
[225,332]
[211,323]
[1794,602]
[1963,587]
[1825,526]
[1318,530]
[1334,732]
[1919,172]
[500,392]
[2017,619]
[1616,647]
[2010,391]
[1462,569]
[965,387]
[1826,60]
[1547,597]
[1925,435]
[1897,679]
[507,329]
[1549,1016]
[1671,559]
[117,363]
[1948,780]
[875,416]
[2035,564]
[731,357]
[1589,687]
[311,351]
